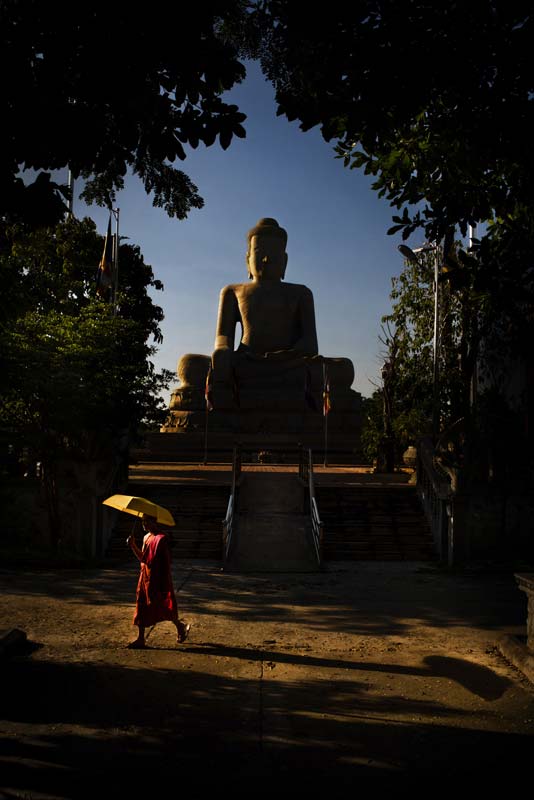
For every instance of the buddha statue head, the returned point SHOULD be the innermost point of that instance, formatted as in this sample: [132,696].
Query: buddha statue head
[266,253]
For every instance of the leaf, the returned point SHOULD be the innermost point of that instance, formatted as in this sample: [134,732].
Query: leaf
[225,138]
[240,131]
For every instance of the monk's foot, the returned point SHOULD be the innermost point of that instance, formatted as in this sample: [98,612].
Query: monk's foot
[136,645]
[183,633]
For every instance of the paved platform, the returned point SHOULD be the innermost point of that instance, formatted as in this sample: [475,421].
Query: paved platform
[366,676]
[172,472]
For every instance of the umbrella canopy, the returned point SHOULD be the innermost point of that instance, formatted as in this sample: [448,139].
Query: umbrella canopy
[139,506]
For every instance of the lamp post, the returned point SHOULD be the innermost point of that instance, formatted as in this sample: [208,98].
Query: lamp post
[473,386]
[70,184]
[412,255]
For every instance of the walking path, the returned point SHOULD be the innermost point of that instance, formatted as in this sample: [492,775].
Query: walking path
[366,675]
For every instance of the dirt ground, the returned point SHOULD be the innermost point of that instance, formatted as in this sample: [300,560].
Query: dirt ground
[367,674]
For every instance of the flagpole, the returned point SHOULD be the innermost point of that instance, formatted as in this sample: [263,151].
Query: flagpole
[325,439]
[206,438]
[116,214]
[326,401]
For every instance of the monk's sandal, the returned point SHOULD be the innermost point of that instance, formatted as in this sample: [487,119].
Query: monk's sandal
[184,632]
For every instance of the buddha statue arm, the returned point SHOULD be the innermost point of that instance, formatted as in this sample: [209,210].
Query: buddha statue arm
[228,317]
[307,343]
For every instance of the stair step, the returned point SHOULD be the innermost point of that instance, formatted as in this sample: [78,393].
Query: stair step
[364,523]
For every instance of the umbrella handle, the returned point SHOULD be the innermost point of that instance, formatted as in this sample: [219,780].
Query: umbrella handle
[136,520]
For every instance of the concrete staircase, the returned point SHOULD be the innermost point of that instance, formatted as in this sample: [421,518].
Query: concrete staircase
[273,532]
[373,524]
[366,522]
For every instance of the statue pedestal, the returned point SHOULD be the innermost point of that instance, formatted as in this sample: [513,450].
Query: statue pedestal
[290,424]
[256,430]
[272,431]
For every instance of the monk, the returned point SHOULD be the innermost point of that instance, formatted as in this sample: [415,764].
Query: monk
[156,601]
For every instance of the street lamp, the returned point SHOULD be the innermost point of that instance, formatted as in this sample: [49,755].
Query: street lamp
[412,256]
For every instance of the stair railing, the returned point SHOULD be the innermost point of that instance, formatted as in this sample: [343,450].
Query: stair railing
[306,475]
[435,492]
[229,521]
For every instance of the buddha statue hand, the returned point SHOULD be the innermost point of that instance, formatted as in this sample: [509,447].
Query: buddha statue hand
[275,355]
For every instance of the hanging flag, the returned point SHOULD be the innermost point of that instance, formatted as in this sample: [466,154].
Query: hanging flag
[209,391]
[326,394]
[308,395]
[104,276]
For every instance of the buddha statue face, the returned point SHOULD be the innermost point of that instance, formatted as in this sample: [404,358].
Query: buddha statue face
[266,258]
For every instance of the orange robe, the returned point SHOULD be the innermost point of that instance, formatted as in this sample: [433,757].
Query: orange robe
[156,600]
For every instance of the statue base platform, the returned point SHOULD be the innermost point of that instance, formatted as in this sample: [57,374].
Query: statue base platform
[278,434]
[292,424]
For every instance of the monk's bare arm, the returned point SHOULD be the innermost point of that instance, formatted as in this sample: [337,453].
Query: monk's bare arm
[134,548]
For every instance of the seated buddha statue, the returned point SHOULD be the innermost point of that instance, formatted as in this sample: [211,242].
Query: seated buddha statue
[276,365]
[276,369]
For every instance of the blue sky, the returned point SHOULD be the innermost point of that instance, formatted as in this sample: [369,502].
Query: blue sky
[337,241]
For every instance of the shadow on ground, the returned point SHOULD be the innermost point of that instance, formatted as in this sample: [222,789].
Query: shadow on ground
[92,725]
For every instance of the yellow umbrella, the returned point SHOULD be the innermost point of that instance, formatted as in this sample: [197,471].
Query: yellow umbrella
[139,506]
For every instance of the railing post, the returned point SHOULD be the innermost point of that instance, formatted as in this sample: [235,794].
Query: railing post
[317,525]
[228,521]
